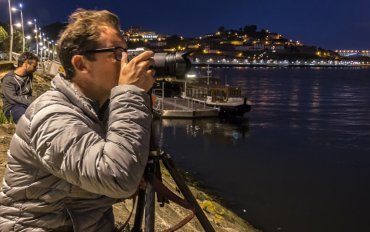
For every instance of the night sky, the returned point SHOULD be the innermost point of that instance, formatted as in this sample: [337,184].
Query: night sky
[330,24]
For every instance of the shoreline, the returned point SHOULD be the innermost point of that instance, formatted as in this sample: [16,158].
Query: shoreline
[222,218]
[278,66]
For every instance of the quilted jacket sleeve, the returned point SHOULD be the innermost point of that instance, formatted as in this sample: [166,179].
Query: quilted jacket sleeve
[69,148]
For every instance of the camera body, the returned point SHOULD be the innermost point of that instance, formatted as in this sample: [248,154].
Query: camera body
[166,64]
[131,53]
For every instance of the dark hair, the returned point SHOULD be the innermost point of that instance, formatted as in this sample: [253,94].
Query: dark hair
[83,33]
[26,56]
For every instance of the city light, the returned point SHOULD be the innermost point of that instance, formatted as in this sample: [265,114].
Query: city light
[36,34]
[11,33]
[14,9]
[224,47]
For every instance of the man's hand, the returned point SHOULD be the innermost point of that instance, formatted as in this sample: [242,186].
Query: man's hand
[137,72]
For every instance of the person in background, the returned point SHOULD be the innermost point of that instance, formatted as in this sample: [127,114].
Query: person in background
[17,86]
[85,143]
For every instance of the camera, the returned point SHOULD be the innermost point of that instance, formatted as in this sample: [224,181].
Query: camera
[166,64]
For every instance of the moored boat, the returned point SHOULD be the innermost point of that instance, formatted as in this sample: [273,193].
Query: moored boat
[209,91]
[227,99]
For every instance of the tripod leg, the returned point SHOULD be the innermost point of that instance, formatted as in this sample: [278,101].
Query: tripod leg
[170,166]
[149,207]
[139,212]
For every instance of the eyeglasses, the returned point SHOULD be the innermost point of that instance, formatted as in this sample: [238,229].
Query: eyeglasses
[116,50]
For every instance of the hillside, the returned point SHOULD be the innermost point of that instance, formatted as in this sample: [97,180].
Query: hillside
[221,218]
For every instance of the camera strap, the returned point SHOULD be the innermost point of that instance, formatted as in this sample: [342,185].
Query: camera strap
[125,224]
[163,191]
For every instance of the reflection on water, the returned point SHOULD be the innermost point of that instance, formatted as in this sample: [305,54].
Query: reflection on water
[315,98]
[327,103]
[301,162]
[228,129]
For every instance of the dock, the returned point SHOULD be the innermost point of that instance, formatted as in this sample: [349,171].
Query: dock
[174,107]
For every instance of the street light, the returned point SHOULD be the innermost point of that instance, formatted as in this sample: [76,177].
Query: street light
[36,37]
[53,49]
[11,33]
[40,43]
[48,41]
[47,48]
[23,38]
[39,37]
[43,47]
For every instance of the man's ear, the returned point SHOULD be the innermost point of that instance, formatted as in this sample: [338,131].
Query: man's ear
[79,63]
[24,65]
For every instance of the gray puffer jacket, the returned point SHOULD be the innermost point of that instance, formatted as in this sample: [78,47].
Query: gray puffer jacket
[66,167]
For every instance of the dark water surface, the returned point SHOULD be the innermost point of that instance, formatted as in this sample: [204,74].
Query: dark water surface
[301,162]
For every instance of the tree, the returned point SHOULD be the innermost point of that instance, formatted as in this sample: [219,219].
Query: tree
[17,41]
[173,41]
[250,30]
[3,36]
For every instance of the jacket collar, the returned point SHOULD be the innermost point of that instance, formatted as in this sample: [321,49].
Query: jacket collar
[90,107]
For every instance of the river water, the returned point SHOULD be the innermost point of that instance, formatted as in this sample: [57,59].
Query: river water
[299,162]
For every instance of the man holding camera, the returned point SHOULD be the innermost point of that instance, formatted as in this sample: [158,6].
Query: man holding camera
[85,143]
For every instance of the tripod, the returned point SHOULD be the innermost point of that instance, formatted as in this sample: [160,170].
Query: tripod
[146,197]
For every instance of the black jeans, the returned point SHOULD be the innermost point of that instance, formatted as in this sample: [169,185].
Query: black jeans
[16,112]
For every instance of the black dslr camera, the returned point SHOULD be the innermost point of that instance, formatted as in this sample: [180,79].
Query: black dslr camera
[166,64]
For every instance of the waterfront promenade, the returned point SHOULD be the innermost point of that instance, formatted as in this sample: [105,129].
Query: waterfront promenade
[279,63]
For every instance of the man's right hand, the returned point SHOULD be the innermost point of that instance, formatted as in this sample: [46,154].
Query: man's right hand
[137,72]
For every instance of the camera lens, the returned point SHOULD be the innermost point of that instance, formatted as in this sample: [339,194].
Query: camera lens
[176,64]
[166,64]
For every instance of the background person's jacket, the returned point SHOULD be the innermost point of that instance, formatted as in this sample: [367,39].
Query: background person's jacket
[66,167]
[16,90]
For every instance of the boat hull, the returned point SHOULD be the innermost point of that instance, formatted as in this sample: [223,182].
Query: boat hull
[234,111]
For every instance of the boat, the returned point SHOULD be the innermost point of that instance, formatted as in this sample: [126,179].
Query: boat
[167,103]
[209,91]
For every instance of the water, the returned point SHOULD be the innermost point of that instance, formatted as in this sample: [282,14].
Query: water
[301,162]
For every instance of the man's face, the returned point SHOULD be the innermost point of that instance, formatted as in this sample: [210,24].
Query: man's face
[105,69]
[30,66]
